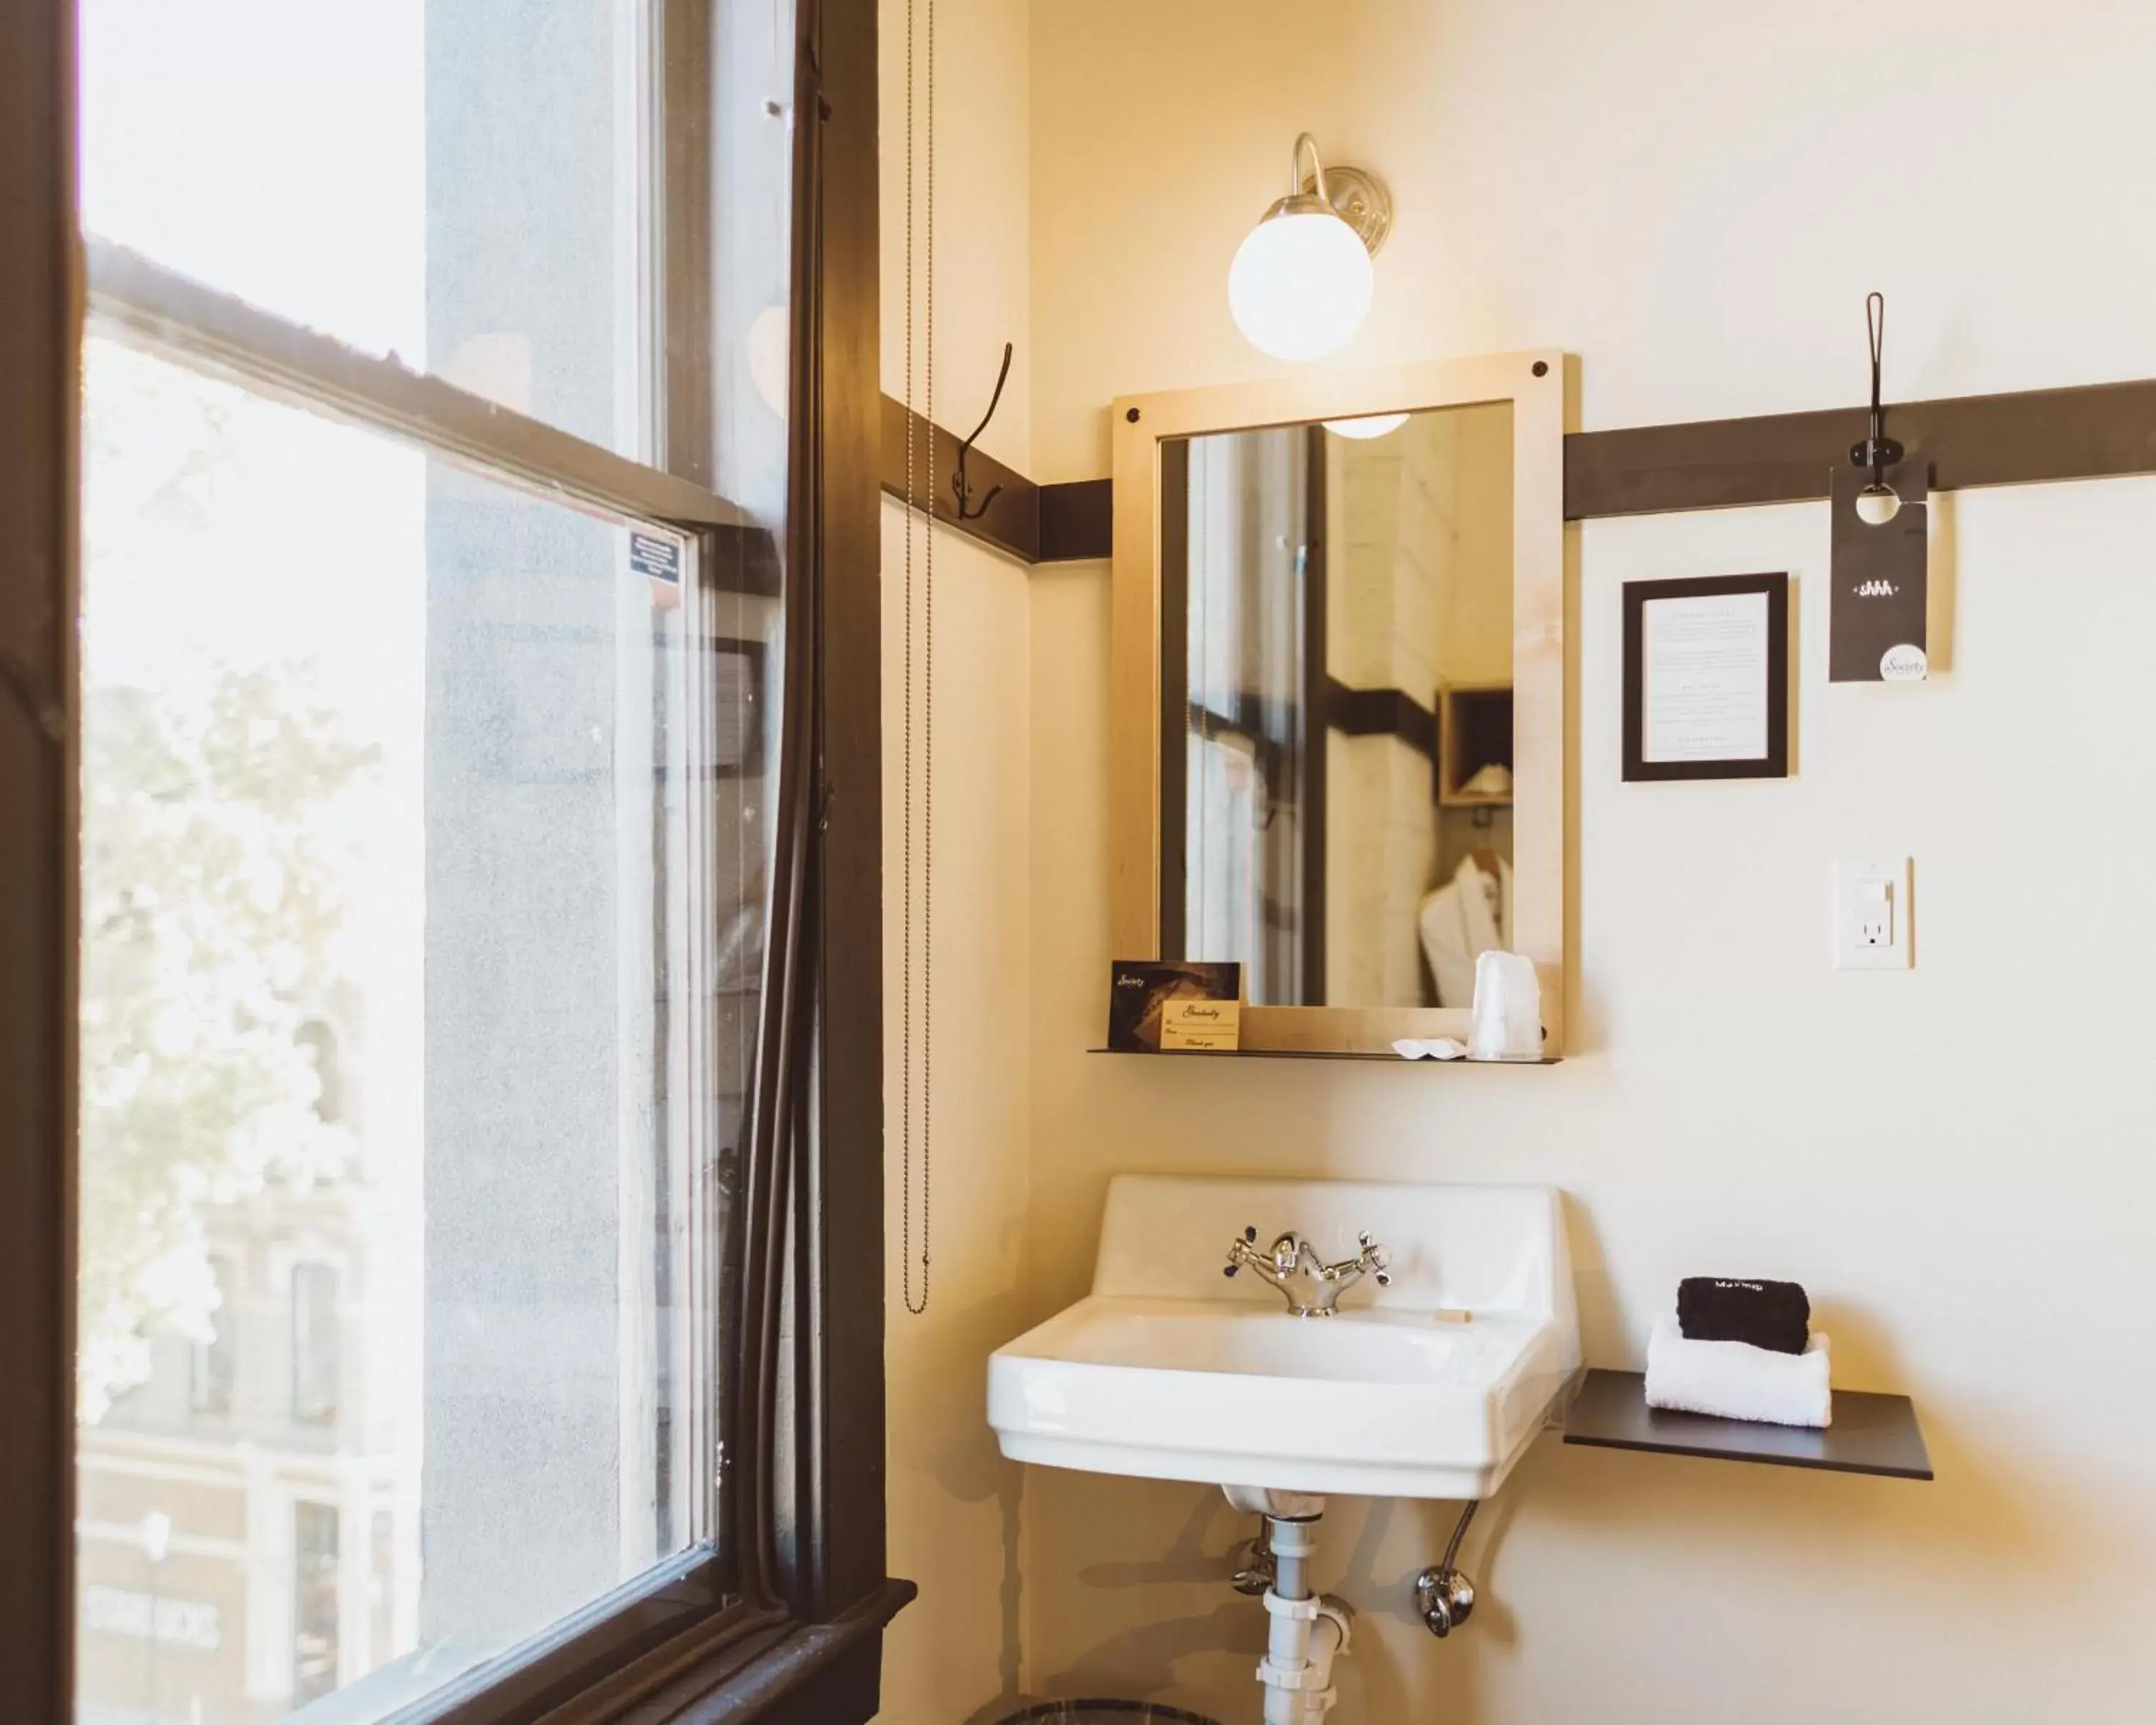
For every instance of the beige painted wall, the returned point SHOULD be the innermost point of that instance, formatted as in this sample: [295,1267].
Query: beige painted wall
[1957,1161]
[954,1501]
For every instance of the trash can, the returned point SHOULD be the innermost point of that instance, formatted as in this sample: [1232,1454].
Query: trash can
[1104,1712]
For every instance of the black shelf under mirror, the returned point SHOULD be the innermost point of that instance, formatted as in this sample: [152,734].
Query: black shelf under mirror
[1307,1054]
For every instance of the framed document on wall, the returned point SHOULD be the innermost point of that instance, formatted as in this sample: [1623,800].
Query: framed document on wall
[1707,678]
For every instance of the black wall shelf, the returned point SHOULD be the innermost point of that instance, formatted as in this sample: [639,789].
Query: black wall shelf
[1870,1434]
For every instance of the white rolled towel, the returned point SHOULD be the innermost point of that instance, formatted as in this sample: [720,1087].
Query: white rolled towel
[1507,1020]
[1734,1380]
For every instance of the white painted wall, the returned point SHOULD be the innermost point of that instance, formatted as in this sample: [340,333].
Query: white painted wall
[954,1501]
[1957,1161]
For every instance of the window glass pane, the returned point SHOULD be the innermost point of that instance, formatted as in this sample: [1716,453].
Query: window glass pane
[419,925]
[211,1374]
[314,1601]
[314,1350]
[461,183]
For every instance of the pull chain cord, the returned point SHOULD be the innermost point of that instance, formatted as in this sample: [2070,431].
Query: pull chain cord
[918,501]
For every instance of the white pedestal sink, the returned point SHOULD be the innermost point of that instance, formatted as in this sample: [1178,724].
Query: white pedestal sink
[1167,1371]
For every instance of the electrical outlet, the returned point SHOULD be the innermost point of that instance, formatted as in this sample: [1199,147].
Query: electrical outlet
[1874,913]
[1871,913]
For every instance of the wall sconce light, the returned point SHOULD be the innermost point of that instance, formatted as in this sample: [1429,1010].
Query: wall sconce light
[1302,281]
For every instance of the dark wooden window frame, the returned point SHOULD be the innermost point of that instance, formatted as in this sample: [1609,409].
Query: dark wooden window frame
[673,1645]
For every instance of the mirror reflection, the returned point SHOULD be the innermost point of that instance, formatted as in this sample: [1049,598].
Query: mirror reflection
[1337,676]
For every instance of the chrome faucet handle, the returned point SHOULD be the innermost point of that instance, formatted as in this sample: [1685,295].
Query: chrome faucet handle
[1373,1260]
[1287,1258]
[1377,1260]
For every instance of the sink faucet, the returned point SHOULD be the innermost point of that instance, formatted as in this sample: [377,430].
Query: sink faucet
[1310,1287]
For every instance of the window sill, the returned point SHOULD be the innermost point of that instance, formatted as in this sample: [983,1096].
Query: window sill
[794,1674]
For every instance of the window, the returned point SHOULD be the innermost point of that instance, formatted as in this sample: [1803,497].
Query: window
[381,1591]
[365,730]
[426,158]
[433,632]
[316,1352]
[314,1602]
[320,1043]
[210,1374]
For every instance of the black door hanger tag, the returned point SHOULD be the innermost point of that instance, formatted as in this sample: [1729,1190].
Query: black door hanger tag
[1875,625]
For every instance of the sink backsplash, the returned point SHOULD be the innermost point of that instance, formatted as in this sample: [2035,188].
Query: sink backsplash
[1476,1248]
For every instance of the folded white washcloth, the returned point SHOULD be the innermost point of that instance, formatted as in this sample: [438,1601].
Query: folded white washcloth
[1734,1380]
[1438,1048]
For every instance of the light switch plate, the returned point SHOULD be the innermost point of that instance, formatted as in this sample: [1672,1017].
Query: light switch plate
[1871,913]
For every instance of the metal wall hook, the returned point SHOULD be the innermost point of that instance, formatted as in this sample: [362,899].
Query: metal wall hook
[961,487]
[1878,502]
[1878,451]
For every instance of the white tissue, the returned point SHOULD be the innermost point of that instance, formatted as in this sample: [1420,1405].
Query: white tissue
[1507,1023]
[1437,1047]
[1734,1380]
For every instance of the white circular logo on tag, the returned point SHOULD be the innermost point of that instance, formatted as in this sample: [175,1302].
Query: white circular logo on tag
[1905,663]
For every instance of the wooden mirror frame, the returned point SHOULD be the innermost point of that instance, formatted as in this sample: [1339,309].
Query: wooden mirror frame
[1534,383]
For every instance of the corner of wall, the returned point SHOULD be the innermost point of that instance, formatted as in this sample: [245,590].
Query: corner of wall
[956,1506]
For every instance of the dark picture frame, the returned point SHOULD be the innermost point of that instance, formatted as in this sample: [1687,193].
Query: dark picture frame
[1638,596]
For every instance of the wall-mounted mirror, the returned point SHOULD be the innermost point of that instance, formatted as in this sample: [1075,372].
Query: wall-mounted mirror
[1339,631]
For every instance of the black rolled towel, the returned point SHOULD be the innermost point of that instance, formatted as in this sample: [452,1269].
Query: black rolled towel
[1767,1314]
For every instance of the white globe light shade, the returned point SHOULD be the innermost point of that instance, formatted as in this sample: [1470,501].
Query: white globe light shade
[1301,285]
[1371,425]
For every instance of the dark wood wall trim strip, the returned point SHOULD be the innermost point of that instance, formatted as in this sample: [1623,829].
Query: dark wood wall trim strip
[2028,438]
[1078,522]
[39,345]
[1013,521]
[1381,712]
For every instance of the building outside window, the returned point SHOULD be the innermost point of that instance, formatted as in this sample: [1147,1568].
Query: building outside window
[210,1378]
[316,1352]
[314,1602]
